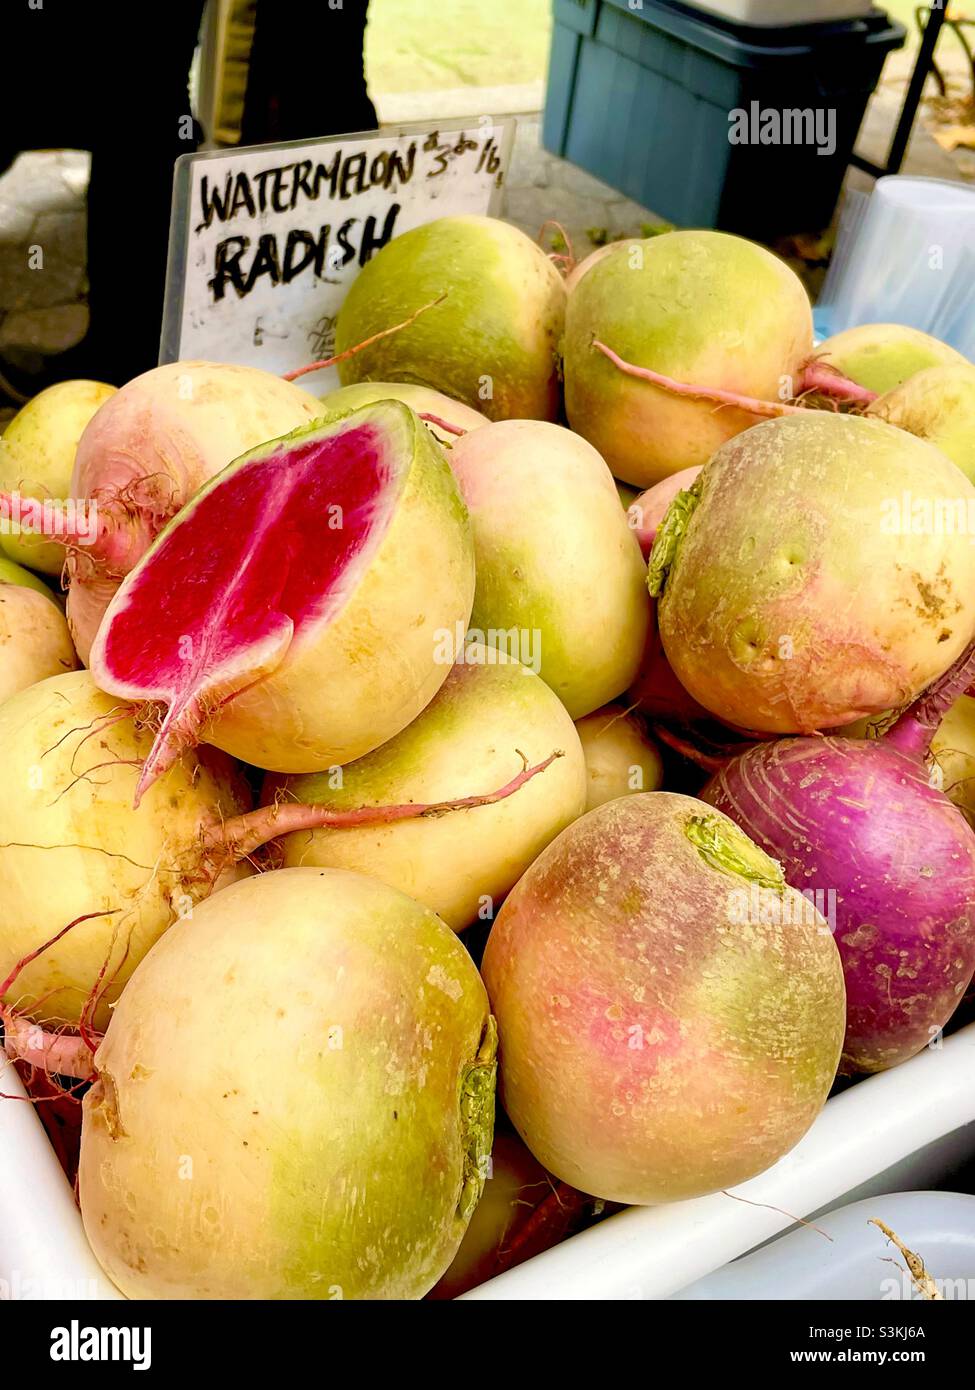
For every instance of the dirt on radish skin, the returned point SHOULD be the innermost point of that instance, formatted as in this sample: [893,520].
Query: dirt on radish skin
[146,452]
[34,639]
[422,399]
[796,595]
[881,356]
[332,582]
[37,456]
[558,568]
[71,844]
[493,341]
[339,1134]
[702,307]
[657,1043]
[621,758]
[858,822]
[490,712]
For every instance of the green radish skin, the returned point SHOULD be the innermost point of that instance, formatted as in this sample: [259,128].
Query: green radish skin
[936,404]
[700,307]
[493,341]
[419,398]
[333,1143]
[823,604]
[583,267]
[37,455]
[579,601]
[659,1038]
[489,714]
[620,757]
[338,687]
[12,573]
[71,844]
[881,356]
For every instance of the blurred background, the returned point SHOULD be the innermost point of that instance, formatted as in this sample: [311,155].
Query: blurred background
[421,62]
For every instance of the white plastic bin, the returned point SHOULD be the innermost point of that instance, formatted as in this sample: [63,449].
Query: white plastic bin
[845,1256]
[904,1129]
[898,1131]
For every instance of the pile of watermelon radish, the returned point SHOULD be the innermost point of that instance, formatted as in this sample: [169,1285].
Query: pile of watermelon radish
[573,704]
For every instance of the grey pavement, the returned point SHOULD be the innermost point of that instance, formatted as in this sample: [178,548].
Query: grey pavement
[43,309]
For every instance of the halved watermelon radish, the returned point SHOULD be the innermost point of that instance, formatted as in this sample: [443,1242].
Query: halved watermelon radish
[142,456]
[301,609]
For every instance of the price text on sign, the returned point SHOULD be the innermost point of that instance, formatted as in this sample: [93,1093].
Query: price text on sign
[265,242]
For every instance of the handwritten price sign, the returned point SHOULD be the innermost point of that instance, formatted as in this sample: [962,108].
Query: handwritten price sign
[265,242]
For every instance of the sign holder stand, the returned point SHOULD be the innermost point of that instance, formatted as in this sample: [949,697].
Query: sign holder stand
[253,206]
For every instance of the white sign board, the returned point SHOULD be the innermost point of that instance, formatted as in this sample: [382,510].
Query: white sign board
[265,242]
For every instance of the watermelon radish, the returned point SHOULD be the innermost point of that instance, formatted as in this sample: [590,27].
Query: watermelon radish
[327,575]
[655,1045]
[937,404]
[574,606]
[492,341]
[699,306]
[34,638]
[489,710]
[796,594]
[881,356]
[145,453]
[620,758]
[72,847]
[114,878]
[295,1099]
[447,418]
[37,455]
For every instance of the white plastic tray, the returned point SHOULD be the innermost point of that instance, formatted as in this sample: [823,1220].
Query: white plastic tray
[899,1130]
[770,13]
[902,1129]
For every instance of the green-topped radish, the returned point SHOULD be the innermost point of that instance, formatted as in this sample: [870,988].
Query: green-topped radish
[670,1012]
[72,847]
[37,457]
[799,591]
[464,742]
[332,577]
[34,639]
[881,356]
[560,579]
[447,418]
[294,1100]
[697,307]
[621,758]
[937,404]
[492,340]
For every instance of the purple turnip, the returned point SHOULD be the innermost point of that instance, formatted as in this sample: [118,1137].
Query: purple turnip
[889,860]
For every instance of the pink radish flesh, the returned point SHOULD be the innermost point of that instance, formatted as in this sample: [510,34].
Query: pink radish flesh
[264,562]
